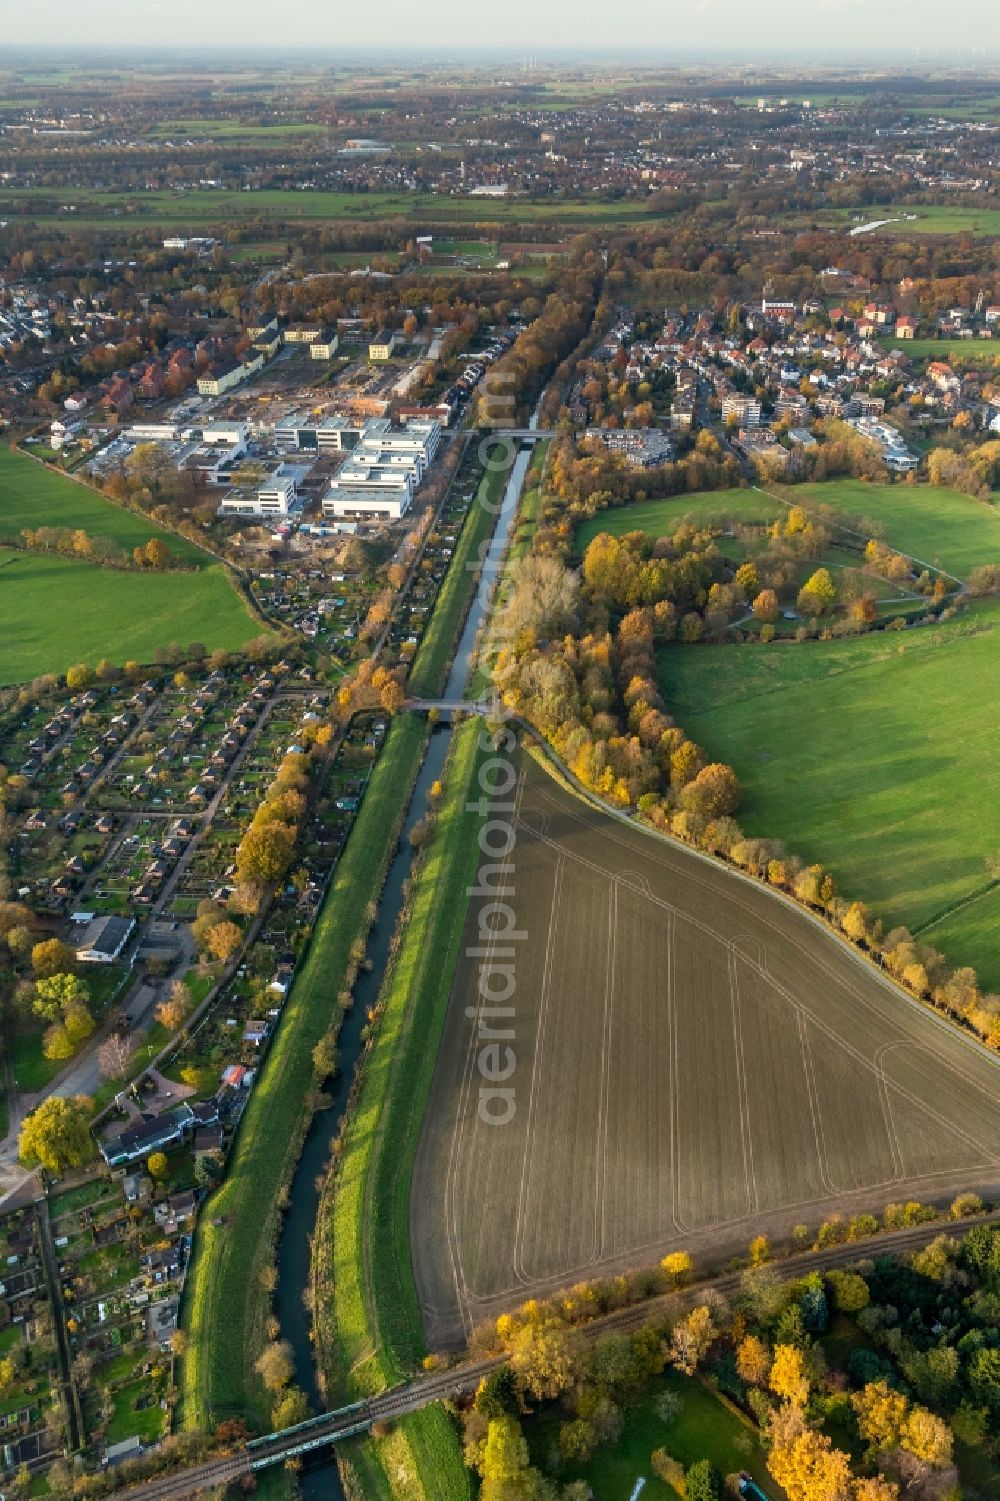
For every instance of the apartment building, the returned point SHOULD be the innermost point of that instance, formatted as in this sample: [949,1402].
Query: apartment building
[325,347]
[218,382]
[382,346]
[744,411]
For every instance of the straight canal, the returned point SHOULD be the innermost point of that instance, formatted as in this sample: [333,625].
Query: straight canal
[321,1480]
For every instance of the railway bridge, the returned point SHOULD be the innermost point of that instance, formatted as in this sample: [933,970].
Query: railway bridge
[461,1380]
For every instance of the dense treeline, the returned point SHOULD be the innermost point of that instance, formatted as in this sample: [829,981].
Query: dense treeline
[975,472]
[919,1371]
[520,375]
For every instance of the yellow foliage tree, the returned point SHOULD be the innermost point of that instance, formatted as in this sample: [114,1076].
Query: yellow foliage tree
[678,1267]
[927,1437]
[788,1375]
[753,1360]
[544,1359]
[809,1468]
[880,1413]
[691,1340]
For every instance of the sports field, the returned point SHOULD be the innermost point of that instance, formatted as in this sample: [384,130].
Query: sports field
[875,755]
[952,351]
[56,612]
[693,1060]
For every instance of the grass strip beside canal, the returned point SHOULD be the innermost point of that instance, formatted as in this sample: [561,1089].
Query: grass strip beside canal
[227,1296]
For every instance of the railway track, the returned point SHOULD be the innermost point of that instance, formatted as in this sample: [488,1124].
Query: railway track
[462,1379]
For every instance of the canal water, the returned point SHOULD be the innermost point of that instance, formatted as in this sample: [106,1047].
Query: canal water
[320,1480]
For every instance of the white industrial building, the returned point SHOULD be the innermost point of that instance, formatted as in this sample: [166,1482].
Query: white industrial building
[275,496]
[383,471]
[369,500]
[334,432]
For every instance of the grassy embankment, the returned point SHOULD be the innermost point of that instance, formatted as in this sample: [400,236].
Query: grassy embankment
[369,1322]
[530,508]
[430,666]
[528,512]
[225,1279]
[369,1326]
[57,611]
[225,1303]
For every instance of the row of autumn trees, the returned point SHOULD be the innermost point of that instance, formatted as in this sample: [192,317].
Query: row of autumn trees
[585,677]
[901,1396]
[71,542]
[516,380]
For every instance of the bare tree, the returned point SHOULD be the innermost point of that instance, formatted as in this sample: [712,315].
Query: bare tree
[115,1055]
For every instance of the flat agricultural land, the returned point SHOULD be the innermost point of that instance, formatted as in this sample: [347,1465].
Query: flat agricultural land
[57,611]
[90,207]
[32,495]
[659,518]
[875,755]
[693,1059]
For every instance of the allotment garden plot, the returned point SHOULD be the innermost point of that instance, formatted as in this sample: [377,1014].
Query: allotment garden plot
[694,1060]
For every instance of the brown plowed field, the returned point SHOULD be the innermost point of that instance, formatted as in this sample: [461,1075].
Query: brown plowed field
[696,1060]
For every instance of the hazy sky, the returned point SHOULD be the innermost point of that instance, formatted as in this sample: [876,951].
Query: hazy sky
[914,30]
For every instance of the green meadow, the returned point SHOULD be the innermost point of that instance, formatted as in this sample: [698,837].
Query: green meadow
[875,755]
[952,351]
[933,525]
[660,518]
[92,207]
[57,611]
[32,495]
[939,527]
[931,219]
